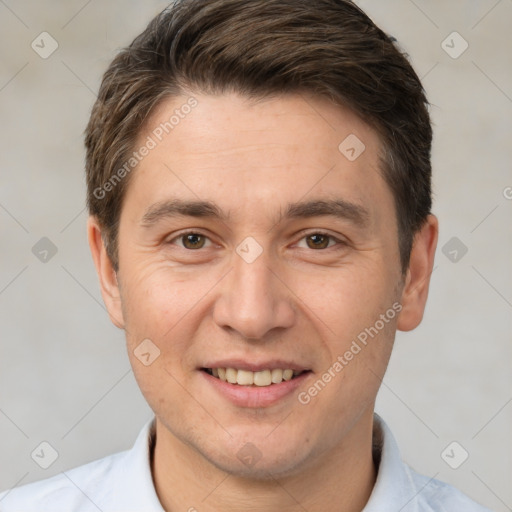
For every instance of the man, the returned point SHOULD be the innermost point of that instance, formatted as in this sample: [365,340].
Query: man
[258,181]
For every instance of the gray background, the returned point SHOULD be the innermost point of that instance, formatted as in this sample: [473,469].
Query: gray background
[64,374]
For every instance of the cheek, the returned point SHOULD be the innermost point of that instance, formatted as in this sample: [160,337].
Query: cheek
[352,375]
[156,305]
[156,298]
[157,308]
[356,312]
[348,299]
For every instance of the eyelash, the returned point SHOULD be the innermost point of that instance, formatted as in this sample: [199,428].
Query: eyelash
[317,232]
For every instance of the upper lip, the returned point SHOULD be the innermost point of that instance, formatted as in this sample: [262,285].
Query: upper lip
[243,364]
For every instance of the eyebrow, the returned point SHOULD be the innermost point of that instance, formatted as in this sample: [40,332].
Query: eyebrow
[337,208]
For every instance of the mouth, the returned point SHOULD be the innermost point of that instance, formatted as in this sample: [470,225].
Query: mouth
[262,378]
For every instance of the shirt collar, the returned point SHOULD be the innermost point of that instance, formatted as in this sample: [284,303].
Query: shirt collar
[135,489]
[394,486]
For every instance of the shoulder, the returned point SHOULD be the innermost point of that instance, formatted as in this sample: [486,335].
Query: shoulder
[437,496]
[399,487]
[80,489]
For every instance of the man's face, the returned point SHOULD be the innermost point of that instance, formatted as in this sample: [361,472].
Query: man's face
[259,289]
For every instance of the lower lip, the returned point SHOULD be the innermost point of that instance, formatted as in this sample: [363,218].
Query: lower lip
[255,396]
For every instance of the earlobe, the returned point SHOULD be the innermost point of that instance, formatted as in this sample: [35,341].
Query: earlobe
[415,291]
[109,285]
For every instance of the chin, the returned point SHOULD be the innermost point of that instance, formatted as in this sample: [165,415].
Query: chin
[268,468]
[258,460]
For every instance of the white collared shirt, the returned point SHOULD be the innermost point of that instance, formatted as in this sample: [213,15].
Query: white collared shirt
[122,482]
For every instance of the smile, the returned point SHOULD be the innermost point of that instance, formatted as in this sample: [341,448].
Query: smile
[261,378]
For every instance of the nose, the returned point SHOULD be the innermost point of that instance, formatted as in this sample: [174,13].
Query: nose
[254,298]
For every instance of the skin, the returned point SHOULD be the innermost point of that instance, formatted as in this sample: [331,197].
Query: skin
[295,301]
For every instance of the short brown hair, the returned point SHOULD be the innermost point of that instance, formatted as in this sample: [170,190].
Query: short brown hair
[260,48]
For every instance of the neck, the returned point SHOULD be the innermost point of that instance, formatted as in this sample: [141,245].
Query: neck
[341,478]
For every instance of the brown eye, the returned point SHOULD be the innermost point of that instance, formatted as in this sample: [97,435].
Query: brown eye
[318,241]
[193,240]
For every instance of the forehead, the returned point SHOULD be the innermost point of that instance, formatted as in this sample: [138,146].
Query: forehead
[287,120]
[247,153]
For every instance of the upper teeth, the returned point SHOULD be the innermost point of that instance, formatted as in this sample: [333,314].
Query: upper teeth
[248,378]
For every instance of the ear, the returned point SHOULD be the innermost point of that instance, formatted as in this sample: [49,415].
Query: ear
[415,291]
[108,279]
